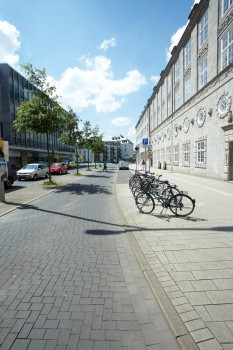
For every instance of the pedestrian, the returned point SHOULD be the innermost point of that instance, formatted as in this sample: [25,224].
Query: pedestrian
[105,166]
[1,153]
[143,162]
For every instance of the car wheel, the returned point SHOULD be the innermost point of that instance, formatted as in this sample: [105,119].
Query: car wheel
[9,182]
[19,179]
[46,175]
[35,177]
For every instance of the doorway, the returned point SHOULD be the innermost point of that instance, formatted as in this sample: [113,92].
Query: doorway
[230,159]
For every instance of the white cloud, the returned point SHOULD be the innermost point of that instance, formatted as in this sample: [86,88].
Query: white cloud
[10,43]
[94,85]
[107,43]
[174,40]
[155,78]
[131,131]
[121,121]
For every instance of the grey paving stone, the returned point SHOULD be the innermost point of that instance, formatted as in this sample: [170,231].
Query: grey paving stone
[20,344]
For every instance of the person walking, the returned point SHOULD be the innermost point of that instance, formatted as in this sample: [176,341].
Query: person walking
[105,166]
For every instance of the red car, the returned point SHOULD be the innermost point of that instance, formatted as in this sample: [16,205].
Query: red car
[59,168]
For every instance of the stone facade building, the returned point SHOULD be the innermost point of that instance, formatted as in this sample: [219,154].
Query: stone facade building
[188,118]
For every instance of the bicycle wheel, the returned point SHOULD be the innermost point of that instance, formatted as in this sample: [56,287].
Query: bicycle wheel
[145,203]
[181,205]
[172,191]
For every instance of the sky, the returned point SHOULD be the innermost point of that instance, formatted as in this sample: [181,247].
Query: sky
[103,56]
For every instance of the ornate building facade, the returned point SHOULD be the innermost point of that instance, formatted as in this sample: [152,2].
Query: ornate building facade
[188,118]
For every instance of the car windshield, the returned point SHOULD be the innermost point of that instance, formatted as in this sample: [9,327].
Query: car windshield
[30,166]
[56,164]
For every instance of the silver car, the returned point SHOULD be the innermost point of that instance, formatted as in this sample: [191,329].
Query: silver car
[33,171]
[123,165]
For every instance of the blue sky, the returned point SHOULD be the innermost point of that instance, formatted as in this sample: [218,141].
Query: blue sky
[104,56]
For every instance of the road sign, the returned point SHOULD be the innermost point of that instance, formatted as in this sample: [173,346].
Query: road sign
[145,141]
[136,148]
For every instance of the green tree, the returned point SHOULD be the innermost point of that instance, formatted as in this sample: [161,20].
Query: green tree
[71,134]
[41,113]
[97,146]
[87,135]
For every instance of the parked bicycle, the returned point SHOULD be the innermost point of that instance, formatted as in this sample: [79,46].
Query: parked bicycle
[150,191]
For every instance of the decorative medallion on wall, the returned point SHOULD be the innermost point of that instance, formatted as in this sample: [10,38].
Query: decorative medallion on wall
[201,117]
[168,133]
[176,127]
[223,105]
[186,124]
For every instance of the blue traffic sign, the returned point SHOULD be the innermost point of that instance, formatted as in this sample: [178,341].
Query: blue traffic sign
[145,141]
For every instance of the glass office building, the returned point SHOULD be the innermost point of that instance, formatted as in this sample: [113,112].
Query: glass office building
[24,147]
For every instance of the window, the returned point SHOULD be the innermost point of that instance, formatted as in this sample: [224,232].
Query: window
[169,82]
[169,105]
[203,65]
[177,70]
[163,111]
[168,155]
[177,98]
[227,48]
[187,54]
[162,154]
[176,155]
[186,154]
[203,29]
[226,4]
[187,87]
[201,153]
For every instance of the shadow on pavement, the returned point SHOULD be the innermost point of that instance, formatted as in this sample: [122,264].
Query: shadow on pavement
[103,232]
[81,189]
[127,227]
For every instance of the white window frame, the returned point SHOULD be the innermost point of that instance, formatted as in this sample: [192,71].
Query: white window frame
[169,105]
[186,154]
[227,48]
[163,111]
[176,155]
[201,153]
[169,82]
[203,29]
[177,70]
[226,4]
[203,72]
[187,87]
[168,155]
[177,98]
[187,54]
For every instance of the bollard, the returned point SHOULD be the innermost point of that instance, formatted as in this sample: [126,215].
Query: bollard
[2,192]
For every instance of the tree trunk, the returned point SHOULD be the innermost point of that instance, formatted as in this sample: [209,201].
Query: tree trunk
[48,153]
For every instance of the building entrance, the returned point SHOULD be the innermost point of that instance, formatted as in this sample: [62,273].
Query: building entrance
[230,161]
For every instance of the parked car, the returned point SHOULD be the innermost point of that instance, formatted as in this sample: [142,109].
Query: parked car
[72,165]
[12,176]
[59,168]
[123,165]
[33,171]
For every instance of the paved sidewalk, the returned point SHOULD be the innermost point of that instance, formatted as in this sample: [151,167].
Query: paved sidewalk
[189,261]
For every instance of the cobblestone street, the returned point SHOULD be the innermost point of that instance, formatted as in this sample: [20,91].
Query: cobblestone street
[70,279]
